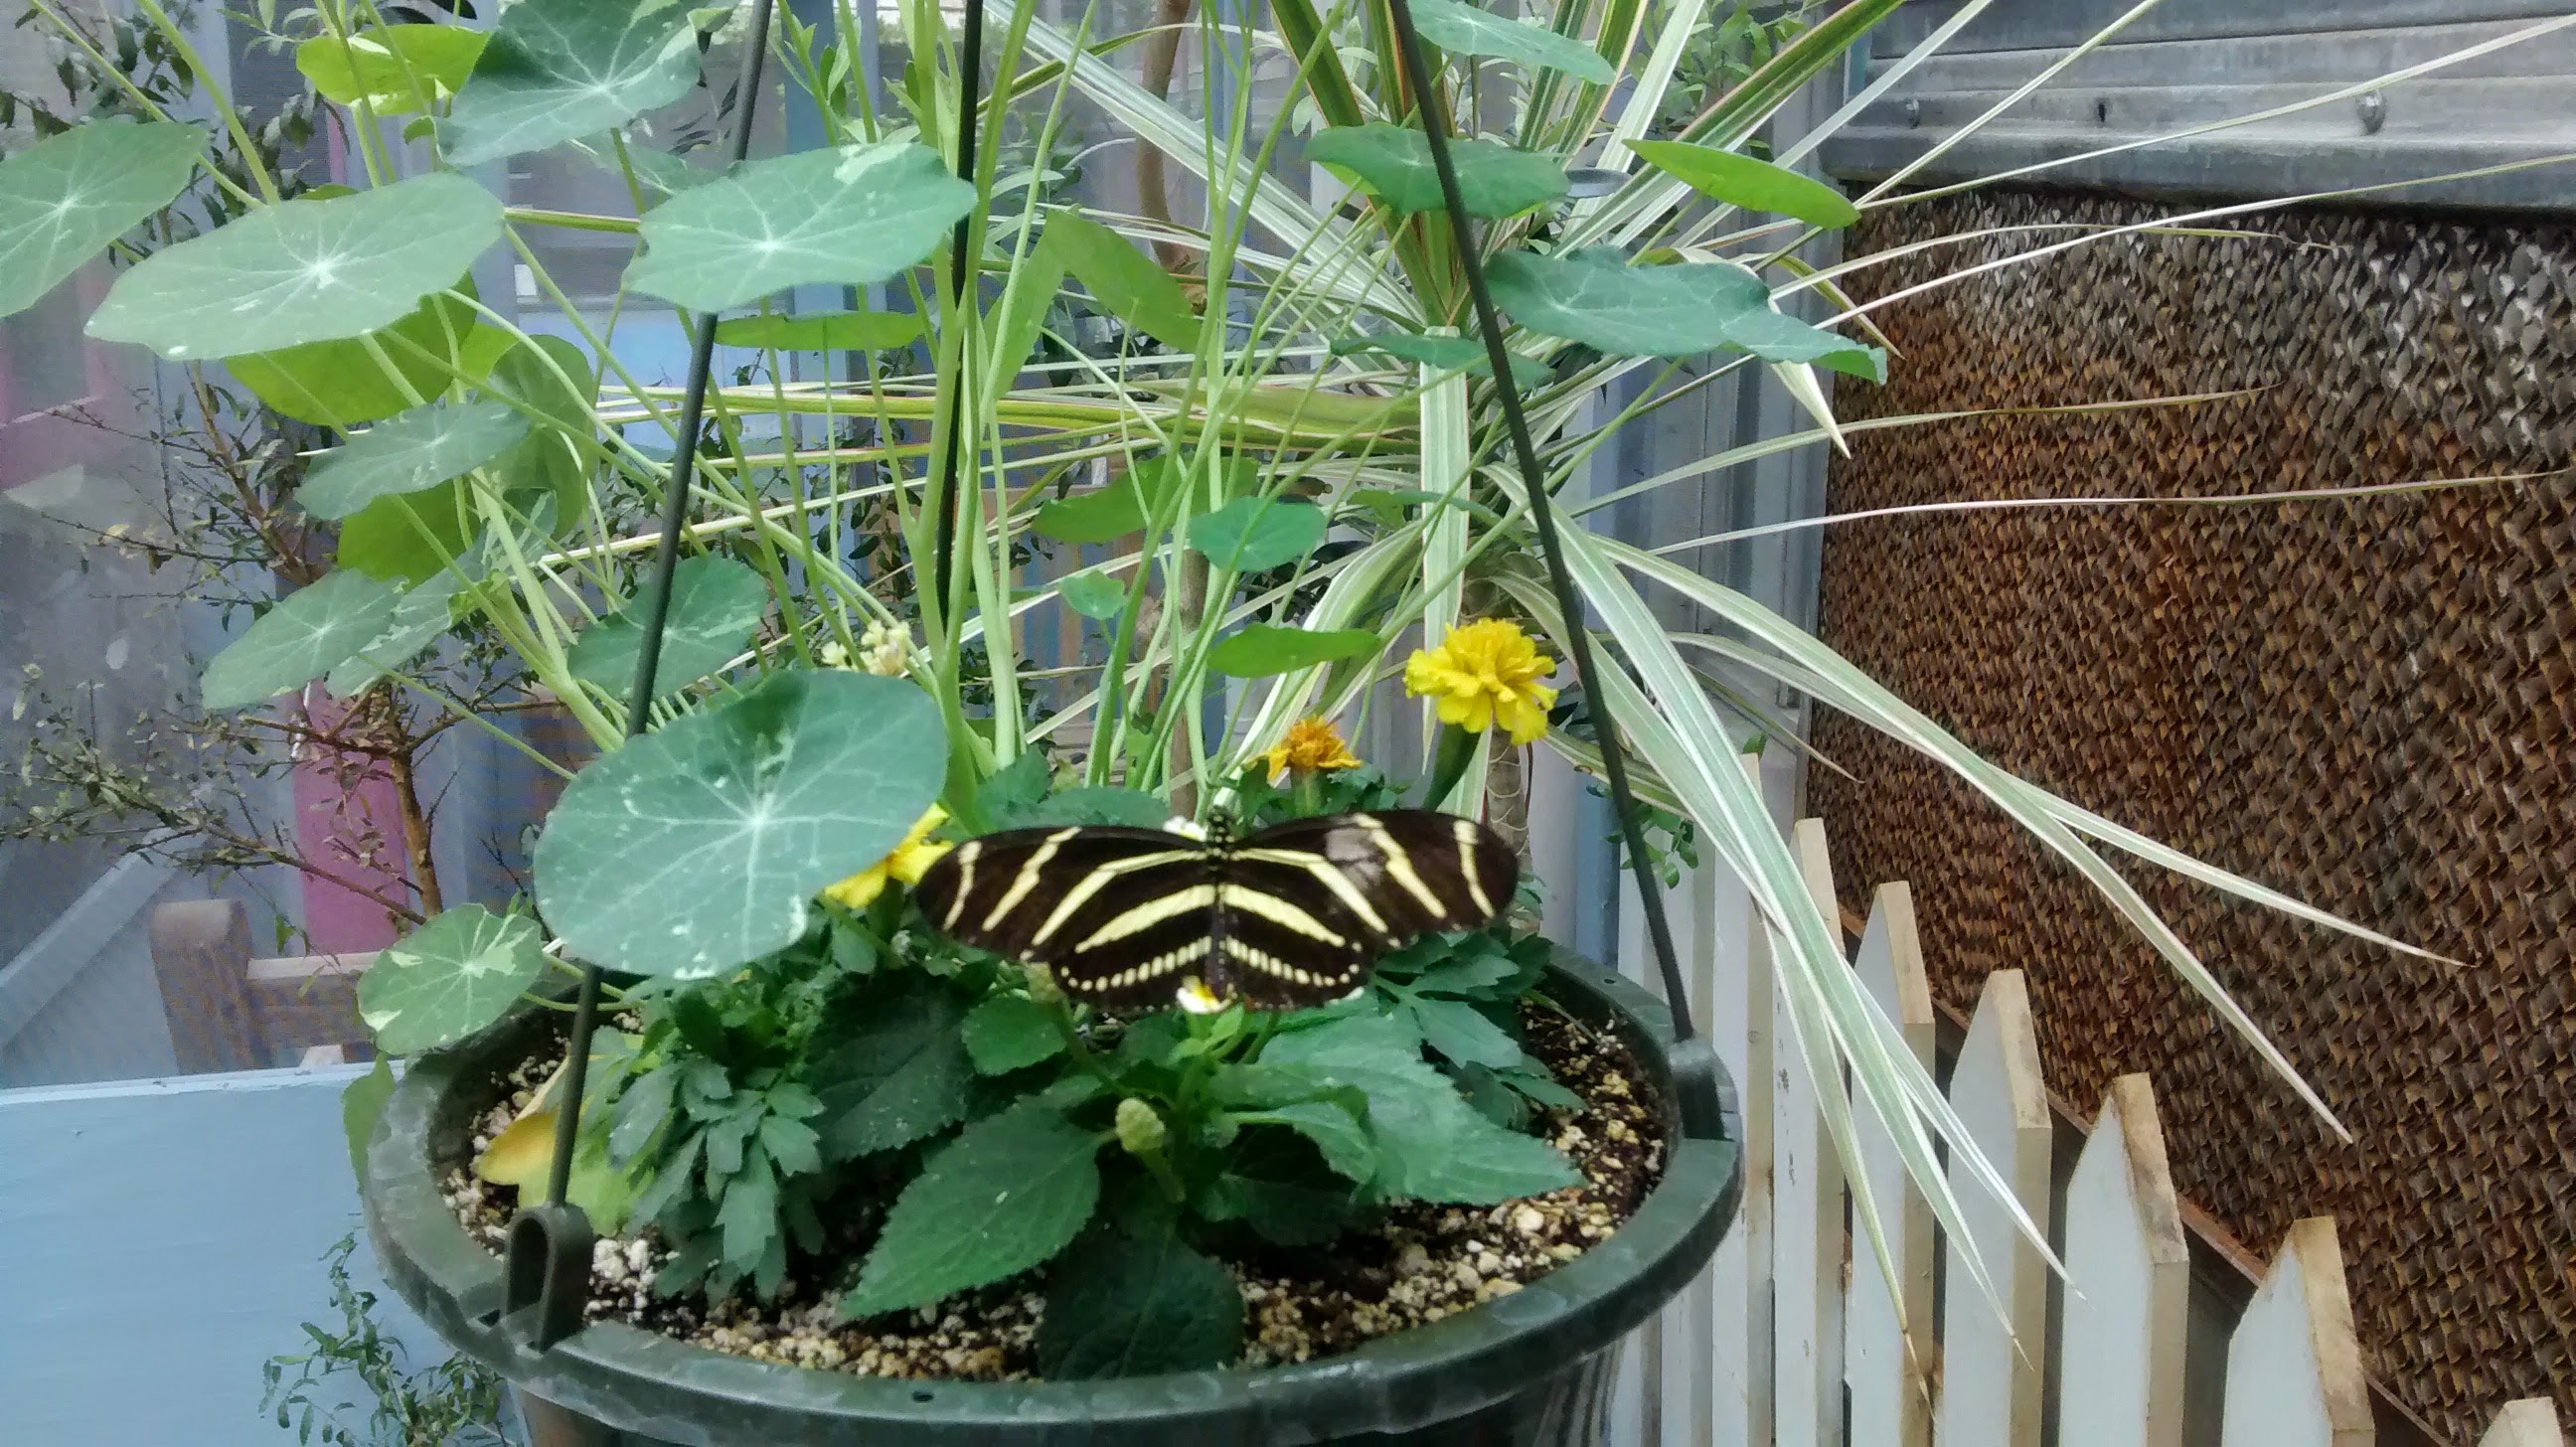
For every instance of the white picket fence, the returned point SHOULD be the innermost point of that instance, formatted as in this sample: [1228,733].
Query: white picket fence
[1791,1338]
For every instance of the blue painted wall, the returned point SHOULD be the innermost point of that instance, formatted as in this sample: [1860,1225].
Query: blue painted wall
[159,1240]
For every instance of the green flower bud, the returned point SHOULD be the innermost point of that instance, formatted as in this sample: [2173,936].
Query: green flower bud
[1042,986]
[1140,1130]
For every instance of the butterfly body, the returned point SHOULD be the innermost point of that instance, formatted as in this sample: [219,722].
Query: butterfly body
[1293,916]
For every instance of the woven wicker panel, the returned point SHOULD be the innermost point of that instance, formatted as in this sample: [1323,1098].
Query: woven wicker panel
[2370,704]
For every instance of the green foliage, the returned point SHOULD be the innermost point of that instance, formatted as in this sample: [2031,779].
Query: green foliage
[63,200]
[1394,163]
[1444,353]
[1093,594]
[1133,1303]
[1256,534]
[346,382]
[555,70]
[716,604]
[1126,282]
[450,978]
[898,1070]
[354,1389]
[1749,182]
[362,1101]
[859,331]
[1260,650]
[851,216]
[1008,1032]
[1595,297]
[1028,1180]
[418,449]
[391,69]
[310,632]
[1465,29]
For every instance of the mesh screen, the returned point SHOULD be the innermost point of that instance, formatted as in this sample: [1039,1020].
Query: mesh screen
[2366,703]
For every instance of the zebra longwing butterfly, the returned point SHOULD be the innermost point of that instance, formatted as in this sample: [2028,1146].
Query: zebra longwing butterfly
[1292,916]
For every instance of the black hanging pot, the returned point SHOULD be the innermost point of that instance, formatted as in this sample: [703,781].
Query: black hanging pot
[1532,1369]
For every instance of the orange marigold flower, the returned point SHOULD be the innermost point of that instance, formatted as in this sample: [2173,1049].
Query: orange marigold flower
[1311,744]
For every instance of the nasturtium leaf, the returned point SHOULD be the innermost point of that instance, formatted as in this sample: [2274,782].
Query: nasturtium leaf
[1026,299]
[1259,650]
[341,384]
[1433,1146]
[860,331]
[409,537]
[1446,354]
[700,846]
[395,69]
[1093,594]
[1007,1032]
[1256,534]
[1394,163]
[1100,804]
[716,602]
[310,632]
[303,271]
[1126,1305]
[1749,182]
[1127,283]
[1596,298]
[362,1102]
[1778,338]
[1337,1136]
[1105,514]
[1024,1180]
[449,978]
[897,1070]
[1464,29]
[849,216]
[424,612]
[418,449]
[551,379]
[62,200]
[557,69]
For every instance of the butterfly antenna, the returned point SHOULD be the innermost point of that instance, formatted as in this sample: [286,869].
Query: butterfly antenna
[1578,638]
[549,1249]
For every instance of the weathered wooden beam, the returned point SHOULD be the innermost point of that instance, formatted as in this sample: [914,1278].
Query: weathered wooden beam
[201,953]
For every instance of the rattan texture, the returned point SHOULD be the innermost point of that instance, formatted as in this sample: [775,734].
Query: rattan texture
[2370,704]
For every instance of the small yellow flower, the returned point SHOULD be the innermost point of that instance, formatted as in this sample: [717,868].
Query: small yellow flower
[1312,745]
[1483,673]
[915,854]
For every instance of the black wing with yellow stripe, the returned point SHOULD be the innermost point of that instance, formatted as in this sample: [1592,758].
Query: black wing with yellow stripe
[1137,919]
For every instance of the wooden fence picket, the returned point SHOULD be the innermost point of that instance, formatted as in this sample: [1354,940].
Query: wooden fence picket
[2293,1366]
[2128,1281]
[2532,1422]
[1887,1336]
[1740,1026]
[1991,1366]
[1807,1205]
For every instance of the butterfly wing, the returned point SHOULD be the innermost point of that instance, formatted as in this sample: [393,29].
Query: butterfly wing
[1307,906]
[1122,916]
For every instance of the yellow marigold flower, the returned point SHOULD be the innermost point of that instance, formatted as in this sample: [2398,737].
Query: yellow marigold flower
[915,854]
[1310,744]
[1484,673]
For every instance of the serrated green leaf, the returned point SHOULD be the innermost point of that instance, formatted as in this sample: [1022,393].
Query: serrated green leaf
[716,604]
[1026,1179]
[303,271]
[1126,1305]
[1445,354]
[792,1144]
[641,1112]
[1008,1032]
[860,331]
[1127,283]
[1394,163]
[1596,298]
[849,216]
[897,1071]
[425,611]
[417,449]
[449,978]
[1100,804]
[341,384]
[1432,1145]
[701,845]
[1339,1137]
[362,1101]
[1461,1033]
[1256,534]
[1755,185]
[749,1215]
[1093,594]
[1259,650]
[64,199]
[395,69]
[313,630]
[558,69]
[1463,29]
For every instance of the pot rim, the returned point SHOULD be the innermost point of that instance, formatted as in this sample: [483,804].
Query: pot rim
[644,1382]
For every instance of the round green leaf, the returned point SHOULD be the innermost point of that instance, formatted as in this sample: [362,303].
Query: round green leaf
[1755,185]
[850,216]
[1008,1032]
[424,613]
[550,378]
[449,978]
[896,1071]
[421,448]
[1127,283]
[558,69]
[1025,1181]
[716,602]
[1596,298]
[1093,594]
[1466,30]
[1394,162]
[63,200]
[391,68]
[1256,534]
[341,384]
[313,630]
[1128,1305]
[700,846]
[1262,649]
[1447,354]
[824,332]
[303,271]
[409,537]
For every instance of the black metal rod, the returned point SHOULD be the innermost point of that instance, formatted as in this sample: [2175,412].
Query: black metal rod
[657,607]
[970,87]
[1578,637]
